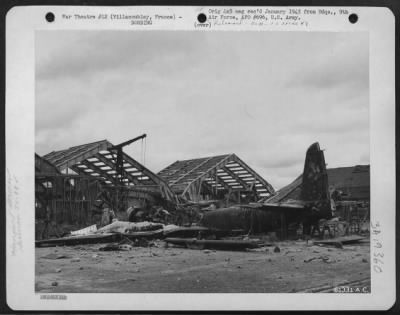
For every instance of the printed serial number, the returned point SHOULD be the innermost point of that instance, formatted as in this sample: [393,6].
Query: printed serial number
[53,297]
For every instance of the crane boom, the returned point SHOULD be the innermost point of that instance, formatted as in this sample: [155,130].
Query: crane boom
[123,144]
[119,164]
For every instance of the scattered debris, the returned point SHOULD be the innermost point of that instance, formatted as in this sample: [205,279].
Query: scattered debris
[126,241]
[125,247]
[323,258]
[110,247]
[141,242]
[56,256]
[335,244]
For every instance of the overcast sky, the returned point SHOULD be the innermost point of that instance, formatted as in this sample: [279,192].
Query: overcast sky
[265,96]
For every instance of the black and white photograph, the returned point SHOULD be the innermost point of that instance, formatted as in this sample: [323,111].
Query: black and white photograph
[171,161]
[208,158]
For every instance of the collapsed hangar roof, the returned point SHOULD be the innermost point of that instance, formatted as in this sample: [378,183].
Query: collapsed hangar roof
[221,172]
[98,160]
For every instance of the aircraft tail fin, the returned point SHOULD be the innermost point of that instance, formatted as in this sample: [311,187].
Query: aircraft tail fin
[315,177]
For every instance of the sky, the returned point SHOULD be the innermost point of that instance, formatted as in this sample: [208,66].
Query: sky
[265,96]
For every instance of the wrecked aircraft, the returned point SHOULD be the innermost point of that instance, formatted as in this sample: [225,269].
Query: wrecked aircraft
[275,213]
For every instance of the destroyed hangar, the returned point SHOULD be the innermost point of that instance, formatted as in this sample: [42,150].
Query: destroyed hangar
[79,186]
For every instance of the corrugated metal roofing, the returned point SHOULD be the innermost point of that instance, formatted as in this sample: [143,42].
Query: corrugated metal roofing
[44,167]
[354,176]
[289,192]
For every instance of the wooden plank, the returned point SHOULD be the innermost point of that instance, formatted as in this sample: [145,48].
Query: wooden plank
[214,244]
[77,240]
[343,240]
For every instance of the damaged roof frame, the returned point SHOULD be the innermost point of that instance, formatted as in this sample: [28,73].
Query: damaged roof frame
[223,172]
[99,161]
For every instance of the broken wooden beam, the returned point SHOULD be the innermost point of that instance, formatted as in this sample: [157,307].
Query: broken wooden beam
[213,244]
[79,240]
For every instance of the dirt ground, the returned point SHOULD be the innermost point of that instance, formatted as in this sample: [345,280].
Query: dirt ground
[298,267]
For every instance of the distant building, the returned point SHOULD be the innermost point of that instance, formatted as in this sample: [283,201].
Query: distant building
[350,190]
[353,182]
